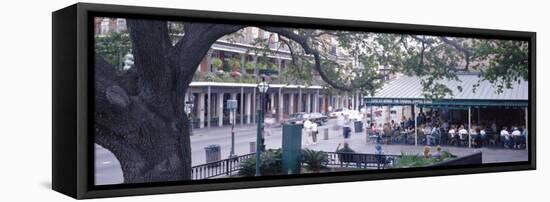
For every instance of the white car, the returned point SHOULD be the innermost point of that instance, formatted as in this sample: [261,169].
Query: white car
[338,112]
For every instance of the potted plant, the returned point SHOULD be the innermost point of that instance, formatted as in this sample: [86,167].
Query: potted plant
[226,67]
[235,64]
[249,66]
[217,63]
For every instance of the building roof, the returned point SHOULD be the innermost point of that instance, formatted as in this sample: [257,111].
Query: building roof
[410,88]
[250,85]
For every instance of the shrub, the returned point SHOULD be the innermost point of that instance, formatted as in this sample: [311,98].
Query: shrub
[416,160]
[271,164]
[216,63]
[226,67]
[249,67]
[235,64]
[314,160]
[210,76]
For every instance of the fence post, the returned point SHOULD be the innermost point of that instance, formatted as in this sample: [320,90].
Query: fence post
[227,162]
[253,147]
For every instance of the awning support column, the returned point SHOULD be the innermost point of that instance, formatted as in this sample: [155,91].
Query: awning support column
[469,127]
[415,126]
[371,115]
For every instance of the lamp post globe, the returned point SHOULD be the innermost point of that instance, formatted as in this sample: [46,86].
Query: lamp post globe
[263,86]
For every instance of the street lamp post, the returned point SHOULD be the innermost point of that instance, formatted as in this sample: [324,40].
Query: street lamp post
[262,87]
[188,107]
[232,106]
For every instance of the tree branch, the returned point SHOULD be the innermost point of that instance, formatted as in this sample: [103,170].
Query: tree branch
[303,41]
[459,48]
[187,54]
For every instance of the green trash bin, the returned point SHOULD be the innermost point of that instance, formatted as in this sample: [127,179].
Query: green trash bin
[358,126]
[292,148]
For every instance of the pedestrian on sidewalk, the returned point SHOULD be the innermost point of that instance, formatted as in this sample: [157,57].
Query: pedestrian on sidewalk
[308,125]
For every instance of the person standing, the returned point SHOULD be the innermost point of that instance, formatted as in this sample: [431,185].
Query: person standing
[308,129]
[273,113]
[314,133]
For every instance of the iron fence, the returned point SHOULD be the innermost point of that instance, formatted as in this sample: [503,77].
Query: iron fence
[335,159]
[218,168]
[359,160]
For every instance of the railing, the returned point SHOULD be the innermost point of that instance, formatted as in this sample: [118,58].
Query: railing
[218,168]
[358,160]
[335,159]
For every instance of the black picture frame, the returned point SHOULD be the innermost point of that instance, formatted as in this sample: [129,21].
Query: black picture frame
[73,76]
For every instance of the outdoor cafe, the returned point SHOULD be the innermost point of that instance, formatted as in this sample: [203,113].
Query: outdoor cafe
[474,110]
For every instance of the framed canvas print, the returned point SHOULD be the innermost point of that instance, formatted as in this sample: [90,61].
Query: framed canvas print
[156,100]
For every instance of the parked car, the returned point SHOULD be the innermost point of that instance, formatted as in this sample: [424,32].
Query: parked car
[299,118]
[318,118]
[338,112]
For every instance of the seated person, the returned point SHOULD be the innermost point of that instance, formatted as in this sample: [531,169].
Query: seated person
[483,136]
[453,135]
[517,138]
[476,139]
[516,132]
[437,153]
[345,154]
[462,133]
[432,135]
[345,149]
[427,153]
[505,137]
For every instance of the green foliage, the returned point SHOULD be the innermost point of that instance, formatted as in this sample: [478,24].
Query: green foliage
[235,64]
[301,73]
[226,67]
[263,63]
[175,30]
[249,66]
[247,79]
[271,164]
[217,63]
[209,76]
[314,160]
[507,62]
[416,160]
[113,48]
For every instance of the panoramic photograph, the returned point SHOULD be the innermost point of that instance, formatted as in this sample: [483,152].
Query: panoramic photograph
[184,101]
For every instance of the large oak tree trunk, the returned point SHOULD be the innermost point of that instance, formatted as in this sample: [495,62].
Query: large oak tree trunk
[139,115]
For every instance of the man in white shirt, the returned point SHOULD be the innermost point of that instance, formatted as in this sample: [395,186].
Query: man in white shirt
[307,127]
[505,137]
[463,133]
[516,132]
[505,133]
[314,133]
[516,137]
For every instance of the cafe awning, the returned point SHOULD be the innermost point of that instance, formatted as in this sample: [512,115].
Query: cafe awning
[407,90]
